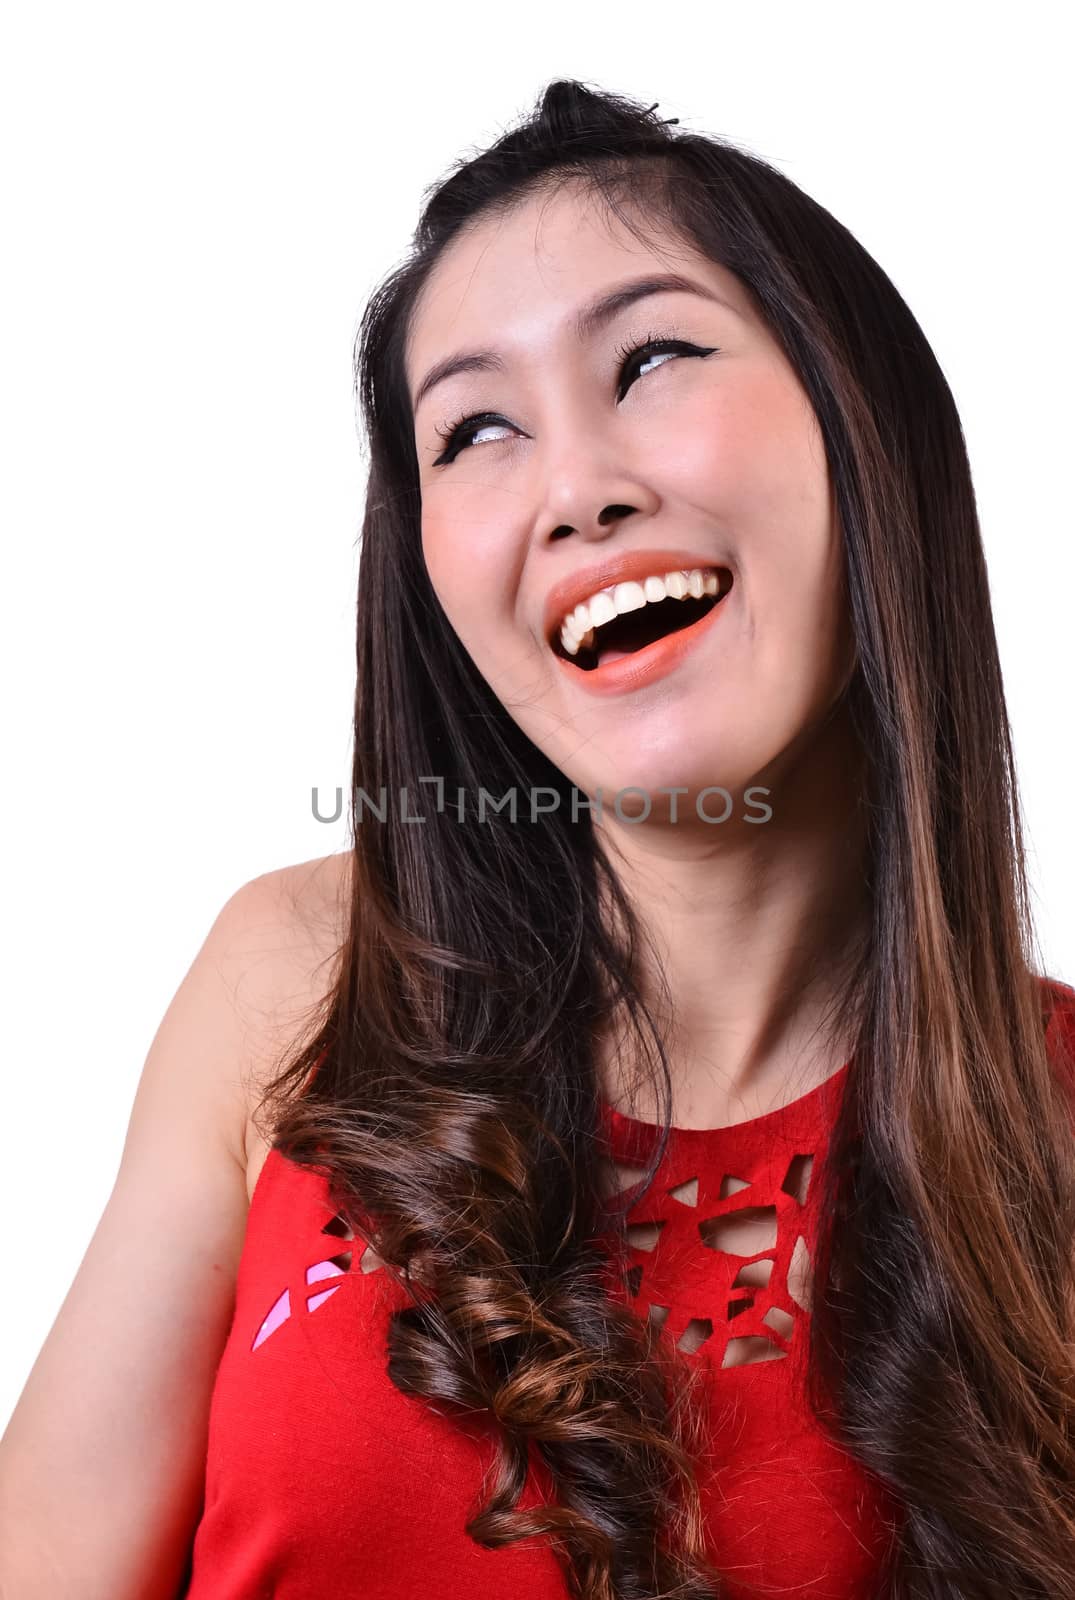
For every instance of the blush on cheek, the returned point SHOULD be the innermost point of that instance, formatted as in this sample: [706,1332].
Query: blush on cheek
[473,531]
[727,451]
[774,466]
[472,584]
[698,451]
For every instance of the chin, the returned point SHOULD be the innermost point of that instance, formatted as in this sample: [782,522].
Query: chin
[718,770]
[696,752]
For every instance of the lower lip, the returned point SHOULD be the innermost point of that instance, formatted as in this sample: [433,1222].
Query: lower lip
[644,666]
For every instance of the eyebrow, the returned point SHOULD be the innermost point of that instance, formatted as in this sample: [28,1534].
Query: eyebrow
[590,320]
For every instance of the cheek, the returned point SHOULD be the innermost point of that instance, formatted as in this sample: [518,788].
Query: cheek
[752,456]
[473,551]
[467,550]
[752,465]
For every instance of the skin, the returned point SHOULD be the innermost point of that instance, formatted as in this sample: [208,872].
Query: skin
[721,455]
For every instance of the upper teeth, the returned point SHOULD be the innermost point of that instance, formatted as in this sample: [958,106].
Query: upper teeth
[577,628]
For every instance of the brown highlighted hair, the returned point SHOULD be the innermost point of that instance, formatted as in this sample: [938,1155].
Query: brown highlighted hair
[456,1109]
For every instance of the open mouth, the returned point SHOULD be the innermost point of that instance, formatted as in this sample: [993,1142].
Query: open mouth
[631,631]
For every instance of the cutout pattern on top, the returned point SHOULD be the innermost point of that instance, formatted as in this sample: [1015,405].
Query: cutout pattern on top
[715,1264]
[335,1266]
[720,1259]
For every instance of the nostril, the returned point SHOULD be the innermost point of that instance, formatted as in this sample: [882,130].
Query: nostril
[614,514]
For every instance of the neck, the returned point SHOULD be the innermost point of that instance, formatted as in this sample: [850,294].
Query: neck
[750,931]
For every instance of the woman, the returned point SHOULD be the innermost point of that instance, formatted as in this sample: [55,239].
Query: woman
[657,1131]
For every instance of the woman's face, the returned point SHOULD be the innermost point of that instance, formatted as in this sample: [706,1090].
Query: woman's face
[587,469]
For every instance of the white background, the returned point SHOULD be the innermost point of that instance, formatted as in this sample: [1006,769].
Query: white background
[196,202]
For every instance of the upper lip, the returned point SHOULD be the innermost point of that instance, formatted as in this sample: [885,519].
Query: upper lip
[564,596]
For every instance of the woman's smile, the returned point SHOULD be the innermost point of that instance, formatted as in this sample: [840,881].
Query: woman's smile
[633,632]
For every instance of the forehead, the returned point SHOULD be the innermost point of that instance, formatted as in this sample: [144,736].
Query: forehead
[516,279]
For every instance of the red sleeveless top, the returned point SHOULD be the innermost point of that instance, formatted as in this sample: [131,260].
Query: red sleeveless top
[323,1480]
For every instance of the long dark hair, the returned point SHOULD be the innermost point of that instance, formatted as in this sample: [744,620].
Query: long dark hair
[456,1108]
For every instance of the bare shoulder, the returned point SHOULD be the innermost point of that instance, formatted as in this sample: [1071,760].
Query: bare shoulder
[109,1433]
[277,943]
[291,914]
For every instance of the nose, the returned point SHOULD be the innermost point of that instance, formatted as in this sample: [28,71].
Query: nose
[586,482]
[592,501]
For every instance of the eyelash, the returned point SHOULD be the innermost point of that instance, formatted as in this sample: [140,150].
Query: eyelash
[453,434]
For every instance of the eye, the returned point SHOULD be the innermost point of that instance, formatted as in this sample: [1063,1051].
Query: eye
[650,348]
[459,434]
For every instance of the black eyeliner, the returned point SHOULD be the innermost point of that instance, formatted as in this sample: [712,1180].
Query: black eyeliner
[454,433]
